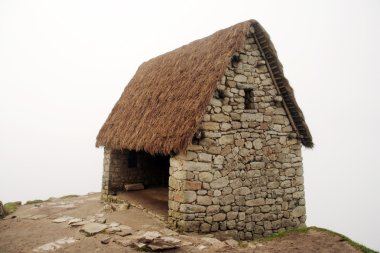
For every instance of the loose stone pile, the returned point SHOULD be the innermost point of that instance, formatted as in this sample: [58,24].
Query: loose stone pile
[245,174]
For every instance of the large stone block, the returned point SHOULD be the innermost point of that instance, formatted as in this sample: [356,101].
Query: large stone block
[187,156]
[188,208]
[215,102]
[196,166]
[253,173]
[232,215]
[240,78]
[226,139]
[257,165]
[258,117]
[219,183]
[214,150]
[205,177]
[242,191]
[175,163]
[191,185]
[203,157]
[255,202]
[181,174]
[219,217]
[218,159]
[211,126]
[188,226]
[257,144]
[213,209]
[230,198]
[220,117]
[298,211]
[204,200]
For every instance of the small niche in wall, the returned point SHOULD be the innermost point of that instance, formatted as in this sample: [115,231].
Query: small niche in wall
[235,60]
[219,94]
[248,99]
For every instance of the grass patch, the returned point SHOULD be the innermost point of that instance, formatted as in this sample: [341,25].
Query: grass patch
[11,207]
[356,245]
[36,201]
[144,248]
[69,196]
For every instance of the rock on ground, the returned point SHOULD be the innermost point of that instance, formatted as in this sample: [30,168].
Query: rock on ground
[2,211]
[93,228]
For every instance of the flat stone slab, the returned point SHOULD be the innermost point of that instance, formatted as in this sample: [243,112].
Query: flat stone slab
[150,235]
[65,206]
[75,220]
[52,246]
[79,223]
[134,187]
[114,224]
[158,243]
[93,228]
[112,230]
[154,241]
[62,219]
[37,217]
[214,242]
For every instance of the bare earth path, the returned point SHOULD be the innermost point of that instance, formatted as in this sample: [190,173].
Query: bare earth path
[33,230]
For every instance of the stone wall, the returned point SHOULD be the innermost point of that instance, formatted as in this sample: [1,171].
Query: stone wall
[245,175]
[115,164]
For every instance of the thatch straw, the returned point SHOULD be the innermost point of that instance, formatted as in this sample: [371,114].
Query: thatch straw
[163,104]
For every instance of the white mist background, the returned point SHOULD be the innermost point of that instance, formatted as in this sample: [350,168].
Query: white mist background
[64,64]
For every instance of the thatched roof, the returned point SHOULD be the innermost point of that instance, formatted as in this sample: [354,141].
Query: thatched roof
[163,105]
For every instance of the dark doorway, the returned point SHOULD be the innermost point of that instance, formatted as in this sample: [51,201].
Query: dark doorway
[153,172]
[155,169]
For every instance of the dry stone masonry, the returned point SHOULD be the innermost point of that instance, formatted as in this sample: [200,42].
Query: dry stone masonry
[114,172]
[244,176]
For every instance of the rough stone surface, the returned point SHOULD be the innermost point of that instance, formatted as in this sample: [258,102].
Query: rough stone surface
[93,228]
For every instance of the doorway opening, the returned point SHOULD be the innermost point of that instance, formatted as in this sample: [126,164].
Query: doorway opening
[152,171]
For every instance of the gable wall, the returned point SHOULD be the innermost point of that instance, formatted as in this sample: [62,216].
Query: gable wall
[245,175]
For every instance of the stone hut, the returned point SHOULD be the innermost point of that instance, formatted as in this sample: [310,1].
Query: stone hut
[216,123]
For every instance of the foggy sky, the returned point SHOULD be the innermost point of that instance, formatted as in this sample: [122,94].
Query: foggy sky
[64,64]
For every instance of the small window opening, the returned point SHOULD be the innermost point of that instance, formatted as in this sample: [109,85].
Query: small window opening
[235,60]
[219,94]
[248,99]
[132,159]
[197,137]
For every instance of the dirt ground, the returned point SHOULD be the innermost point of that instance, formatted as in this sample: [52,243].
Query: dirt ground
[33,227]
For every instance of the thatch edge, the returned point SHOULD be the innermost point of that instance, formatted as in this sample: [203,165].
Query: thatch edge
[293,110]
